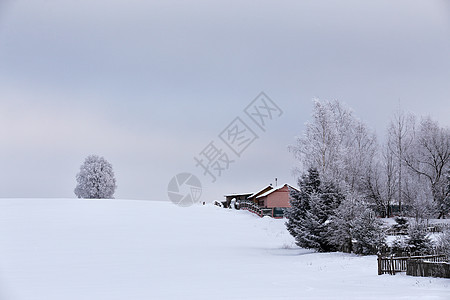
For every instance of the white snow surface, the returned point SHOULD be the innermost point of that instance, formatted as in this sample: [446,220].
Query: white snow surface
[123,249]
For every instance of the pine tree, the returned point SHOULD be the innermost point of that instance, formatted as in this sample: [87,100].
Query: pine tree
[308,184]
[311,210]
[401,224]
[368,233]
[295,213]
[398,246]
[341,226]
[355,228]
[418,240]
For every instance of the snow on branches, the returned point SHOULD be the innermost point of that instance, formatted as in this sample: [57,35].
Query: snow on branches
[324,219]
[96,179]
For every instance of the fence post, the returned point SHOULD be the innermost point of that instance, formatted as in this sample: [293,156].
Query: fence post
[379,264]
[392,266]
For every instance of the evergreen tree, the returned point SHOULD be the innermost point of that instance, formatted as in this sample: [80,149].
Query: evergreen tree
[418,240]
[311,210]
[308,184]
[399,246]
[368,233]
[401,224]
[355,228]
[341,226]
[295,212]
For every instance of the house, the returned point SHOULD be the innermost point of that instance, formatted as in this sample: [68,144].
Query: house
[269,201]
[253,197]
[236,197]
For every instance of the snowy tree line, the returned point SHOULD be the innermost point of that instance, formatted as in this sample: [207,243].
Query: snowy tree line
[410,168]
[349,177]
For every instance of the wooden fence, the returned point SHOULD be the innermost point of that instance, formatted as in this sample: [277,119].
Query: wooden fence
[254,208]
[391,265]
[427,268]
[432,228]
[439,227]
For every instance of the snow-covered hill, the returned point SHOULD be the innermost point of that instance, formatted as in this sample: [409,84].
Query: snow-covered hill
[121,249]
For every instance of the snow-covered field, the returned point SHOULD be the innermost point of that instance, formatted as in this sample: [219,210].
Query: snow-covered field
[121,249]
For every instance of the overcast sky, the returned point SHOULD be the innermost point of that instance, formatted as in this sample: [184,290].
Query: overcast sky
[149,84]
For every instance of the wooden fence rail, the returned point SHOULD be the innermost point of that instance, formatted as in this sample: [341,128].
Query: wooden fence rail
[428,269]
[391,265]
[250,206]
[432,228]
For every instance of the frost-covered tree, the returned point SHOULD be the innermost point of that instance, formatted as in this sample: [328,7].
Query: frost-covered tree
[421,205]
[96,179]
[299,199]
[399,140]
[428,158]
[320,144]
[312,231]
[311,210]
[380,182]
[389,181]
[368,233]
[359,156]
[340,230]
[443,243]
[355,228]
[399,246]
[418,239]
[446,203]
[336,143]
[401,224]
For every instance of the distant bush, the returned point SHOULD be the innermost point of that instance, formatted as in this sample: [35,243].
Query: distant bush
[401,223]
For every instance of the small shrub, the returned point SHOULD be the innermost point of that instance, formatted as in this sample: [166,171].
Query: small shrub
[418,240]
[399,246]
[443,243]
[402,224]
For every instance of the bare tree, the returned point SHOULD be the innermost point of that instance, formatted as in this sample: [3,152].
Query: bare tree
[319,146]
[337,144]
[380,182]
[400,135]
[429,157]
[389,179]
[359,156]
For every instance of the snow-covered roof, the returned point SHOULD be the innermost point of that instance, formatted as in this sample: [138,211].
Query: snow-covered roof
[276,189]
[237,194]
[254,194]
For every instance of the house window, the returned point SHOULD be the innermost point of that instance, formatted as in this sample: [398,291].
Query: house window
[278,212]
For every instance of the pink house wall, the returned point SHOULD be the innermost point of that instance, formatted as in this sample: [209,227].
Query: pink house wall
[279,198]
